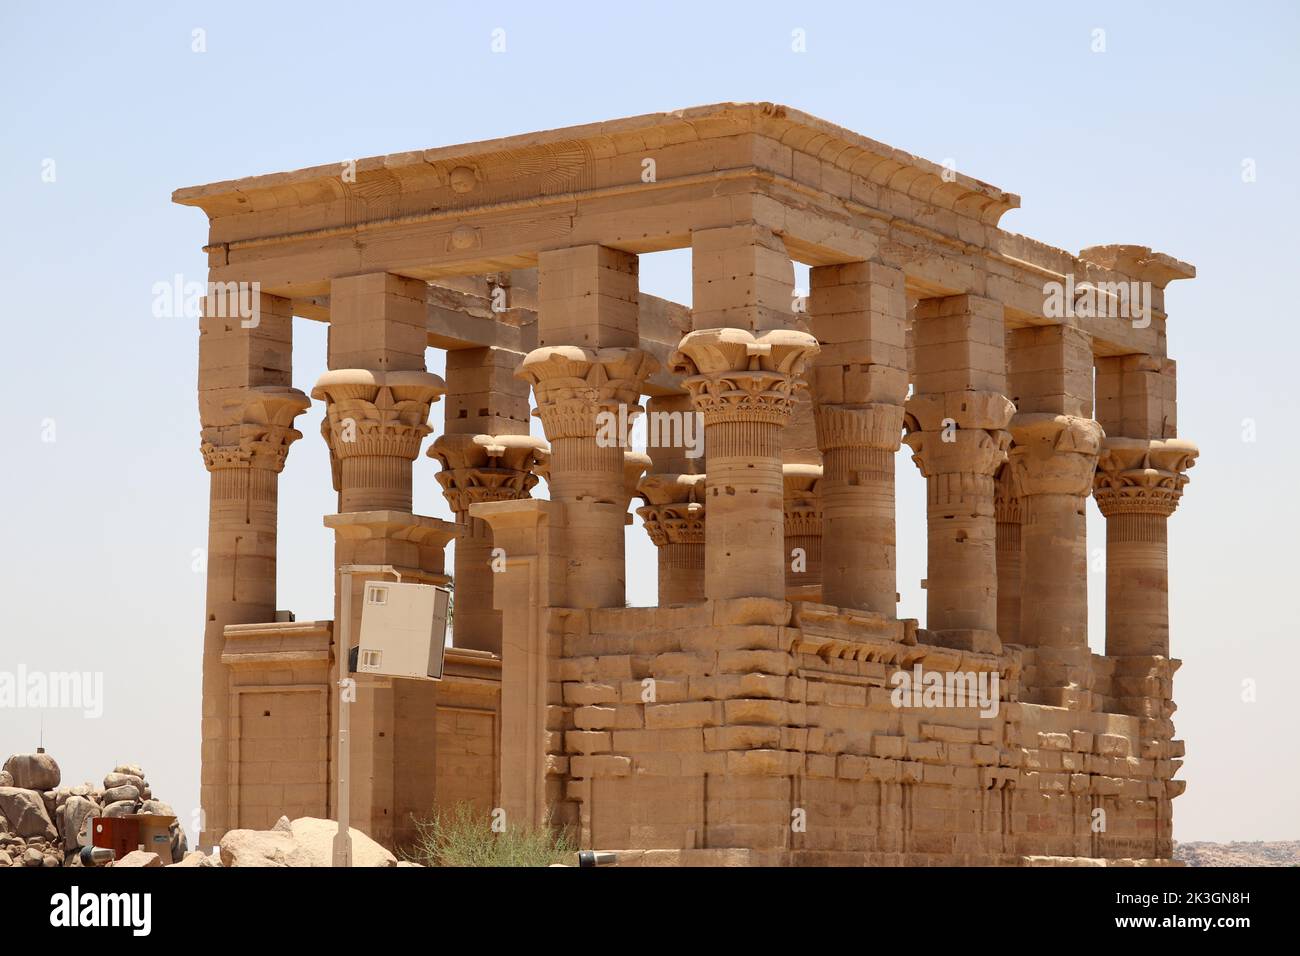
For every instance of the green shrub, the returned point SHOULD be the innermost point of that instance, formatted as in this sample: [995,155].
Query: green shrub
[463,836]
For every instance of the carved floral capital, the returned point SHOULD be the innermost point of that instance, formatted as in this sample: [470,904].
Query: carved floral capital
[1054,454]
[572,385]
[259,432]
[674,510]
[487,467]
[372,413]
[1141,476]
[733,375]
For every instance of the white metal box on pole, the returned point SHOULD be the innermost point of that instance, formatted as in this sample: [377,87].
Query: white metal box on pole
[403,630]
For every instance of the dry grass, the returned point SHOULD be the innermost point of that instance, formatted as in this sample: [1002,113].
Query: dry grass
[463,836]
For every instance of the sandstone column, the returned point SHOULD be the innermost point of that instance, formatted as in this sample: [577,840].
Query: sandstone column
[486,454]
[1139,482]
[378,396]
[957,419]
[743,384]
[246,409]
[673,490]
[859,382]
[1053,460]
[743,365]
[587,379]
[674,518]
[803,532]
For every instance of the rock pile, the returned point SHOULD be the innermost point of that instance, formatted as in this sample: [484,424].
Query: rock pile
[40,820]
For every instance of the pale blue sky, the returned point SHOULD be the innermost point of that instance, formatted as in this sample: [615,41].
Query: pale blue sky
[1143,143]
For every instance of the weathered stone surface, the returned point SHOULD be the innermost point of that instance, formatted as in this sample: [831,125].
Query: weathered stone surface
[115,779]
[316,836]
[33,771]
[25,811]
[122,808]
[261,848]
[307,841]
[138,858]
[126,792]
[75,812]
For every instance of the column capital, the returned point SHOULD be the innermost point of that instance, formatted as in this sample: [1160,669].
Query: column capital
[674,509]
[259,429]
[1142,476]
[572,384]
[961,409]
[859,426]
[959,451]
[735,375]
[486,467]
[374,413]
[1054,454]
[1008,506]
[803,506]
[674,523]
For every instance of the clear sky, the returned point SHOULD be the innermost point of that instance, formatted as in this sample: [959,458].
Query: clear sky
[106,108]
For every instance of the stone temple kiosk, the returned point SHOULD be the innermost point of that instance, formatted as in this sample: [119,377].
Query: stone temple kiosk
[773,708]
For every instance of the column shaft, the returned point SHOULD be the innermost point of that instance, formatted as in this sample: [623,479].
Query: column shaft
[681,573]
[477,623]
[859,542]
[744,548]
[859,381]
[1137,585]
[961,580]
[1055,572]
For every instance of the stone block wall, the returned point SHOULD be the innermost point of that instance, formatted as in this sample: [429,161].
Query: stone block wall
[758,725]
